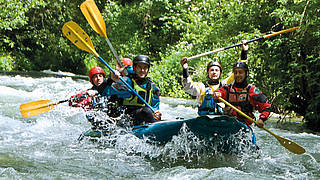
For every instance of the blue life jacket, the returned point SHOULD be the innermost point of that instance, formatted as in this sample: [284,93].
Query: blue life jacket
[208,105]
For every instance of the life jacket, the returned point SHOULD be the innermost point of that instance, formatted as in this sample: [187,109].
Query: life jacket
[145,93]
[81,100]
[241,101]
[208,106]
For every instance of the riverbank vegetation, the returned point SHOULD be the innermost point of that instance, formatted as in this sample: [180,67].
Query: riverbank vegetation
[285,67]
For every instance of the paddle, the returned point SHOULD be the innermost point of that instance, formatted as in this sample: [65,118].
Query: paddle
[288,144]
[90,10]
[236,45]
[38,107]
[81,39]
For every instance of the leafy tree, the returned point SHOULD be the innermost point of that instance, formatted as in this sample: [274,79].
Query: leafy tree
[285,67]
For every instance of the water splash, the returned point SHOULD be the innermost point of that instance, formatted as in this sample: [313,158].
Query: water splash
[46,146]
[186,147]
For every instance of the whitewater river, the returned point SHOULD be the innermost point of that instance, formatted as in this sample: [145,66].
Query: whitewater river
[46,146]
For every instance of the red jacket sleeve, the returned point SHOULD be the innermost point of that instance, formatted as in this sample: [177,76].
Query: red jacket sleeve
[80,100]
[223,92]
[260,102]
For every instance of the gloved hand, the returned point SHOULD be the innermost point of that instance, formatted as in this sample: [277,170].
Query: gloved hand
[157,115]
[115,76]
[184,63]
[216,95]
[260,123]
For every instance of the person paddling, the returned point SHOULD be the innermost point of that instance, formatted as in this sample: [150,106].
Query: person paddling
[97,96]
[244,96]
[144,86]
[97,78]
[203,91]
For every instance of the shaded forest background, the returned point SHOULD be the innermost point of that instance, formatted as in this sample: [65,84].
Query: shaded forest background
[285,67]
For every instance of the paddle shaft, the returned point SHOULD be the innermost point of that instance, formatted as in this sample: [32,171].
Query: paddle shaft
[83,41]
[288,144]
[236,109]
[91,12]
[115,54]
[239,44]
[124,82]
[62,101]
[113,51]
[52,104]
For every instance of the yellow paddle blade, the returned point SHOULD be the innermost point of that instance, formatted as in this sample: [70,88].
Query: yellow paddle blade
[33,105]
[78,37]
[287,143]
[280,32]
[94,17]
[36,107]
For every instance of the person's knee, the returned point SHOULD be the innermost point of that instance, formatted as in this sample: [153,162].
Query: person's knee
[144,115]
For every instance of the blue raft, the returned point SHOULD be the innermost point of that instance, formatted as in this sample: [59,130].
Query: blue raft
[215,128]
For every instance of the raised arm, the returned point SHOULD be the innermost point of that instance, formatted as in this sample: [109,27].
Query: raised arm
[189,86]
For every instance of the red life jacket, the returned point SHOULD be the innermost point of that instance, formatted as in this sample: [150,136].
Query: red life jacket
[81,100]
[239,99]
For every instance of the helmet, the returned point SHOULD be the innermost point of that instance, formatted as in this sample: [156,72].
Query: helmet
[141,59]
[240,64]
[126,61]
[214,63]
[95,70]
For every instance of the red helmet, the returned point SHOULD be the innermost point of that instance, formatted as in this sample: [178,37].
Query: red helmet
[126,61]
[95,70]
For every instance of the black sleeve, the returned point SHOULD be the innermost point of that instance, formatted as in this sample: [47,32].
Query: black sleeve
[244,55]
[261,98]
[185,73]
[109,81]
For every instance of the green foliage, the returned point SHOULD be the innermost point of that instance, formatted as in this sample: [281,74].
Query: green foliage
[290,64]
[167,75]
[201,28]
[285,67]
[6,63]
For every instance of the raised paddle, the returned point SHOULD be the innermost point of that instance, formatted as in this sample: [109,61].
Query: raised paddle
[236,45]
[90,10]
[288,144]
[81,39]
[38,107]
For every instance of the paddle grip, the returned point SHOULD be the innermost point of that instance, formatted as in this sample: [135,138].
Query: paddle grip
[115,54]
[113,51]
